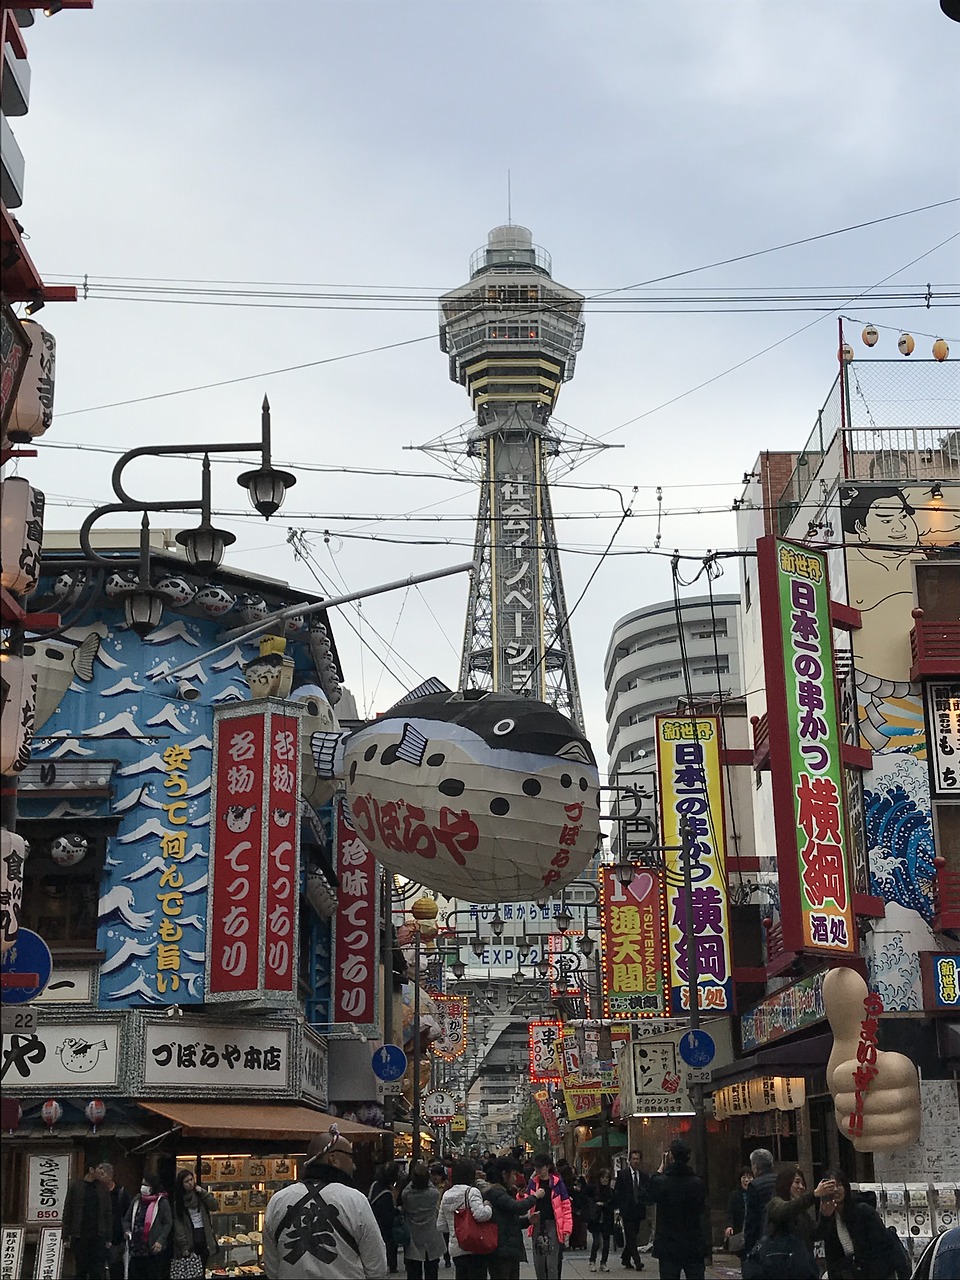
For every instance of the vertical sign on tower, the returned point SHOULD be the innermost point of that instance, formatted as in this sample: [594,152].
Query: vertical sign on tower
[254,852]
[516,567]
[691,792]
[807,772]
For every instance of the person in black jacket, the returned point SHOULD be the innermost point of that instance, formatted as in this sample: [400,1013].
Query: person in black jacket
[88,1224]
[120,1203]
[737,1208]
[854,1237]
[383,1201]
[629,1194]
[600,1217]
[680,1195]
[759,1194]
[504,1262]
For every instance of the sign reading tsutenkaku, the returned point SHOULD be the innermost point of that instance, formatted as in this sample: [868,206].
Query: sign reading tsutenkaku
[354,970]
[634,962]
[691,792]
[254,853]
[816,907]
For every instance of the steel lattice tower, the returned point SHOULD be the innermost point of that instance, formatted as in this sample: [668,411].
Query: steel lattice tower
[512,334]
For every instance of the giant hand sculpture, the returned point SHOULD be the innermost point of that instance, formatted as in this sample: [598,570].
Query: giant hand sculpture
[876,1094]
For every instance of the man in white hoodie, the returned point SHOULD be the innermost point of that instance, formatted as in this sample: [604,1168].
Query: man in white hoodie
[322,1227]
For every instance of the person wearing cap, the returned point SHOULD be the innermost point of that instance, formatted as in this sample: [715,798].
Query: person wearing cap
[322,1227]
[679,1243]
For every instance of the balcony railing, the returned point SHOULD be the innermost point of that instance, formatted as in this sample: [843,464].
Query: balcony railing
[934,647]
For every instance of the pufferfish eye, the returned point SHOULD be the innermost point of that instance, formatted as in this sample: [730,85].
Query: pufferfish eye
[503,727]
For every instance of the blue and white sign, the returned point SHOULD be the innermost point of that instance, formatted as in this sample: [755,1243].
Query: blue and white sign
[389,1062]
[29,956]
[697,1048]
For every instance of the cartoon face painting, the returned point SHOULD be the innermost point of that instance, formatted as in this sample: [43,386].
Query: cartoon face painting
[484,796]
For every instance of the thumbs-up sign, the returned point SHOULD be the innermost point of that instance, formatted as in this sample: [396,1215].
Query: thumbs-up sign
[876,1094]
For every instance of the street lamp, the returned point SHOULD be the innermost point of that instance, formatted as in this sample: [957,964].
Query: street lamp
[563,918]
[497,924]
[203,546]
[458,968]
[586,945]
[524,947]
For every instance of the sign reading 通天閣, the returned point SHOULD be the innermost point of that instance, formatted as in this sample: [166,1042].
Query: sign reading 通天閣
[634,962]
[691,792]
[816,907]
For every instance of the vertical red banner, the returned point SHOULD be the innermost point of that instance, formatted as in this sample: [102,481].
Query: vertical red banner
[283,821]
[236,853]
[355,932]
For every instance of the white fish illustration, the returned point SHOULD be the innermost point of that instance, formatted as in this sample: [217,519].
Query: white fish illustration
[55,665]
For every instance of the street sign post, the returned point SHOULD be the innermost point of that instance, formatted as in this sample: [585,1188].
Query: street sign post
[697,1048]
[25,969]
[389,1062]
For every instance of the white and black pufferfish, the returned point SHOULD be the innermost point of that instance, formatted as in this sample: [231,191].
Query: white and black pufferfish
[484,796]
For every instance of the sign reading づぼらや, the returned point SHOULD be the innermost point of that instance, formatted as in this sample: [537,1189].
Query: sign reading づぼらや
[254,853]
[225,1059]
[355,929]
[816,907]
[691,797]
[48,1177]
[64,1056]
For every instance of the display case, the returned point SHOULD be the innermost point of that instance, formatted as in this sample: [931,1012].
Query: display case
[243,1185]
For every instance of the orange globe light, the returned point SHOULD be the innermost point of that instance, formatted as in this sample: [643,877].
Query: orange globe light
[940,349]
[845,353]
[870,335]
[906,344]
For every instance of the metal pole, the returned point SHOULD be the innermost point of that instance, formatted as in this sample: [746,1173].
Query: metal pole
[387,961]
[693,988]
[415,1147]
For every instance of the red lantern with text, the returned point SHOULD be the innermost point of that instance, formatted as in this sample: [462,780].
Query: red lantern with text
[51,1111]
[95,1111]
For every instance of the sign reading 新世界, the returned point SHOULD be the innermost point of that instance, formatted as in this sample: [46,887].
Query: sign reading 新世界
[816,907]
[943,738]
[691,797]
[634,968]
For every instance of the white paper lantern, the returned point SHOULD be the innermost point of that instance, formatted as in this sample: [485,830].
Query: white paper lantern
[870,335]
[488,797]
[21,535]
[19,690]
[13,854]
[33,407]
[906,344]
[95,1110]
[51,1111]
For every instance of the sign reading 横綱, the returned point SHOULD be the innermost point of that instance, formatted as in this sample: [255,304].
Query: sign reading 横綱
[48,1177]
[354,976]
[691,792]
[816,908]
[943,737]
[254,853]
[634,970]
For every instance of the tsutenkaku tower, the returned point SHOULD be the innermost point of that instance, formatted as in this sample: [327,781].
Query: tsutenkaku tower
[512,334]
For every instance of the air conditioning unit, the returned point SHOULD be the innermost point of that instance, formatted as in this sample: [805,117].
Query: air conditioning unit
[889,464]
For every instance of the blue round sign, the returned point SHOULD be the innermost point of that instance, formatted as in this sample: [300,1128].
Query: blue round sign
[697,1048]
[389,1062]
[26,968]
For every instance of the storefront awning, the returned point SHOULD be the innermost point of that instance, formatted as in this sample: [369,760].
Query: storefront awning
[265,1123]
[614,1139]
[795,1059]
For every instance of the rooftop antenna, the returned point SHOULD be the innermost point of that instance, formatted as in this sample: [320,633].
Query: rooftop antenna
[509,202]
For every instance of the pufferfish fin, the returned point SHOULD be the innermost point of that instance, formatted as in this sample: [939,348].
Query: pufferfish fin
[412,747]
[84,656]
[432,684]
[327,749]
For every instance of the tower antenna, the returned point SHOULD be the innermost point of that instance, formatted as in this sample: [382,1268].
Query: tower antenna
[509,202]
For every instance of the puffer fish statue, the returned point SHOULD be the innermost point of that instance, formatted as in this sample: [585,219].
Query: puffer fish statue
[484,796]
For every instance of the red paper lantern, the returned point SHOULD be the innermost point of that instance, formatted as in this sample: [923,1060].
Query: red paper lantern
[51,1111]
[95,1111]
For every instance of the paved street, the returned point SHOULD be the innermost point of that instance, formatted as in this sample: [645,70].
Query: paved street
[575,1267]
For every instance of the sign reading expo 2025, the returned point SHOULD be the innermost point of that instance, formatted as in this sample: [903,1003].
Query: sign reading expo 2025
[805,744]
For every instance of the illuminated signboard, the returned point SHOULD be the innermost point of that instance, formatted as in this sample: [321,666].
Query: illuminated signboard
[634,961]
[691,793]
[807,772]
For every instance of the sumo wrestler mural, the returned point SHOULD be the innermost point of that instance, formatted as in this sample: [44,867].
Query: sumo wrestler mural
[888,529]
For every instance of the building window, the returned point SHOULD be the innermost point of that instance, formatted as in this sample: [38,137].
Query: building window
[60,902]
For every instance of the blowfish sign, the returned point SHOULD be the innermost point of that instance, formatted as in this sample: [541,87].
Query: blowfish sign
[807,773]
[254,853]
[688,761]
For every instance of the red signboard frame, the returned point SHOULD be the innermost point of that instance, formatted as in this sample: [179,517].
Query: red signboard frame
[651,908]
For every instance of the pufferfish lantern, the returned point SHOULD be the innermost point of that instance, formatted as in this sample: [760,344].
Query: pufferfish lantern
[484,796]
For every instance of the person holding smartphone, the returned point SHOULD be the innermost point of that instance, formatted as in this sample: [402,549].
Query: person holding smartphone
[679,1244]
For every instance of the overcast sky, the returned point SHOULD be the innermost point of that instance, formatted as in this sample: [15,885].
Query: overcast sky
[347,143]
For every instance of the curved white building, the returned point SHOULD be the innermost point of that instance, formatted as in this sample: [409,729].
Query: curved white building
[643,673]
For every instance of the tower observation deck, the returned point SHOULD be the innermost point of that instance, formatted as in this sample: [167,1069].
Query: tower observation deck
[512,335]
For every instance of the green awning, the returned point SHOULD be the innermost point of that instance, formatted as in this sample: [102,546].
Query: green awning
[614,1139]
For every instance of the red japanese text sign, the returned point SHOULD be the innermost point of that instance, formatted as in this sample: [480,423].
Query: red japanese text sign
[354,977]
[543,1038]
[452,1041]
[254,853]
[634,959]
[807,773]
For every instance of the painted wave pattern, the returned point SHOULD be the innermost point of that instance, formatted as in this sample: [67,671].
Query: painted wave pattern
[899,829]
[128,712]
